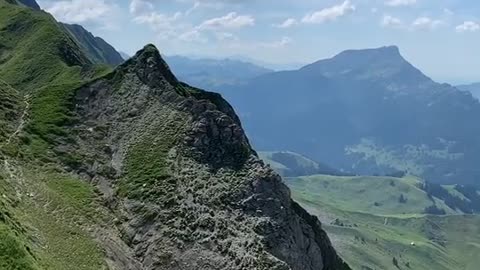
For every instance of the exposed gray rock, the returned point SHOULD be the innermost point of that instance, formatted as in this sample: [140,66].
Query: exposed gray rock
[190,191]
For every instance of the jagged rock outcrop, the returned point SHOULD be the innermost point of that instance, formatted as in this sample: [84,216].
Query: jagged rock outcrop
[175,165]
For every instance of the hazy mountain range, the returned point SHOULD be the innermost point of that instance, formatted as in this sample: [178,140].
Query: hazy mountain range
[473,88]
[365,111]
[213,74]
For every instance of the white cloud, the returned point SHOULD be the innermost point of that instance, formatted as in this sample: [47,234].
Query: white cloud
[397,3]
[468,26]
[156,20]
[426,23]
[391,22]
[166,27]
[448,12]
[230,21]
[195,6]
[140,6]
[177,27]
[329,14]
[287,23]
[193,36]
[82,11]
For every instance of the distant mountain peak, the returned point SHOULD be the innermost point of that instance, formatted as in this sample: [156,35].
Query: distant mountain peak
[383,63]
[390,52]
[386,55]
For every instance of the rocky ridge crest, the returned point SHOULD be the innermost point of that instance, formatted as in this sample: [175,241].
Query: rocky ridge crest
[175,165]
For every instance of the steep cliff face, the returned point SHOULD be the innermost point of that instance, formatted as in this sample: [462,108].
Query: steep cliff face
[28,3]
[97,49]
[174,164]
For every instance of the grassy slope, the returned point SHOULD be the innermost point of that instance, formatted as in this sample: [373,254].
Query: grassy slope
[35,51]
[50,213]
[293,164]
[278,167]
[38,57]
[370,239]
[44,214]
[10,106]
[376,195]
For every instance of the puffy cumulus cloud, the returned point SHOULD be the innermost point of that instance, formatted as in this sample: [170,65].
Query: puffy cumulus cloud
[426,23]
[397,3]
[420,23]
[166,27]
[468,26]
[101,12]
[391,22]
[330,13]
[157,21]
[178,27]
[230,21]
[287,23]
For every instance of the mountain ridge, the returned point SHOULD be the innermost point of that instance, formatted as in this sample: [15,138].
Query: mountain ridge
[354,114]
[473,88]
[377,63]
[213,73]
[95,47]
[218,144]
[131,169]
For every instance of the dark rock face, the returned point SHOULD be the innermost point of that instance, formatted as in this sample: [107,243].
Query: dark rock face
[30,3]
[205,201]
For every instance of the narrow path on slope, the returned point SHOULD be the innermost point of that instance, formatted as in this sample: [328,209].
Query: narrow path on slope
[23,120]
[13,172]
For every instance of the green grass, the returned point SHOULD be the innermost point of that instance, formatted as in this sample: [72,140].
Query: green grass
[51,110]
[45,216]
[58,215]
[34,50]
[14,253]
[47,228]
[369,236]
[10,106]
[290,164]
[374,195]
[147,174]
[38,57]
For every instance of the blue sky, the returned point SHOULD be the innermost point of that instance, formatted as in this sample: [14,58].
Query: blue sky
[441,37]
